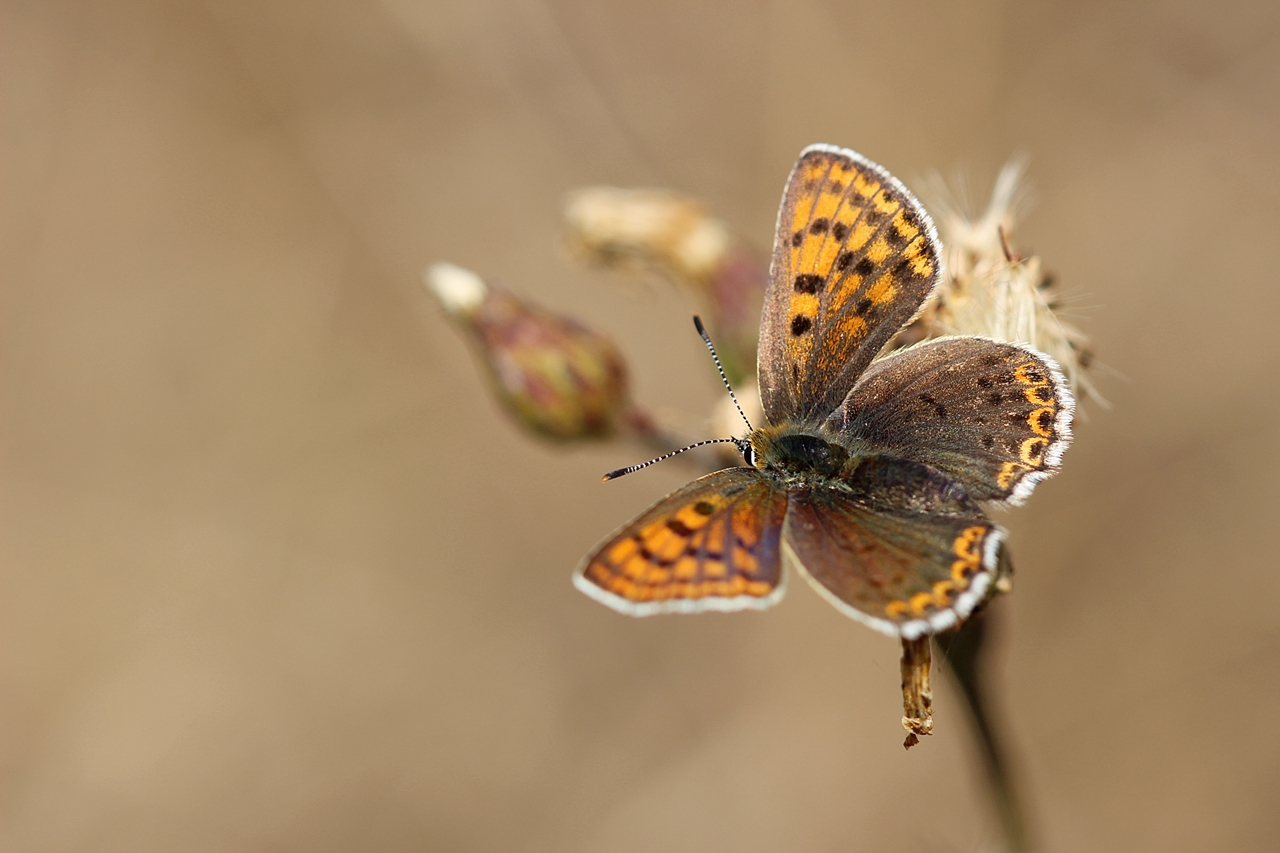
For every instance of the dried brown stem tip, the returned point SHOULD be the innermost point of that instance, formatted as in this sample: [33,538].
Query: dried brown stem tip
[917,695]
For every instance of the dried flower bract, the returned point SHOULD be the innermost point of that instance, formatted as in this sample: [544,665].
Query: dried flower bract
[990,290]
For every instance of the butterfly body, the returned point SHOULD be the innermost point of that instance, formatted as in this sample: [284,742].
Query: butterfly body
[871,476]
[797,460]
[795,454]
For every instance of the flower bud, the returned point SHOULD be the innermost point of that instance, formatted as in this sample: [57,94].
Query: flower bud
[661,231]
[558,378]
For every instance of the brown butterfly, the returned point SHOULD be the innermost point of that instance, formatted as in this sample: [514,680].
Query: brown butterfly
[871,477]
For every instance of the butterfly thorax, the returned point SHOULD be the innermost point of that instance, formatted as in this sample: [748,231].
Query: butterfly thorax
[797,454]
[801,460]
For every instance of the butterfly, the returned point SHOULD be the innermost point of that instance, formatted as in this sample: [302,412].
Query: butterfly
[873,476]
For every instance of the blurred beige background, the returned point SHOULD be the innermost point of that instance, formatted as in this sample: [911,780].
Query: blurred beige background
[276,575]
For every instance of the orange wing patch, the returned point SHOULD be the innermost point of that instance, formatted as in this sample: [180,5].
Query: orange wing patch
[713,545]
[968,548]
[855,257]
[1041,451]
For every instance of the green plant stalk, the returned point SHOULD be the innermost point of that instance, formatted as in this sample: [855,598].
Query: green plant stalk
[966,650]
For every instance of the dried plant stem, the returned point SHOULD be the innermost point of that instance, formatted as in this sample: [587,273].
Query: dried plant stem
[965,650]
[917,694]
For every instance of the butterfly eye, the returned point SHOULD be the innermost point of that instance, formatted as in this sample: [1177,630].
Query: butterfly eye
[747,451]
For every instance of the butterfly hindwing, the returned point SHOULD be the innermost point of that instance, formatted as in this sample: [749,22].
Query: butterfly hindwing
[854,258]
[902,548]
[712,545]
[994,416]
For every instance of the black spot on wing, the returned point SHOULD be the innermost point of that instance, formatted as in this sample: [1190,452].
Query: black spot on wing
[678,527]
[807,282]
[938,409]
[800,324]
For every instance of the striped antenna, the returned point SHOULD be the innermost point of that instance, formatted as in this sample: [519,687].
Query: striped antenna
[743,447]
[706,339]
[743,444]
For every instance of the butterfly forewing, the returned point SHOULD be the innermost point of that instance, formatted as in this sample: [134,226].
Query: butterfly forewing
[994,416]
[713,545]
[903,549]
[854,258]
